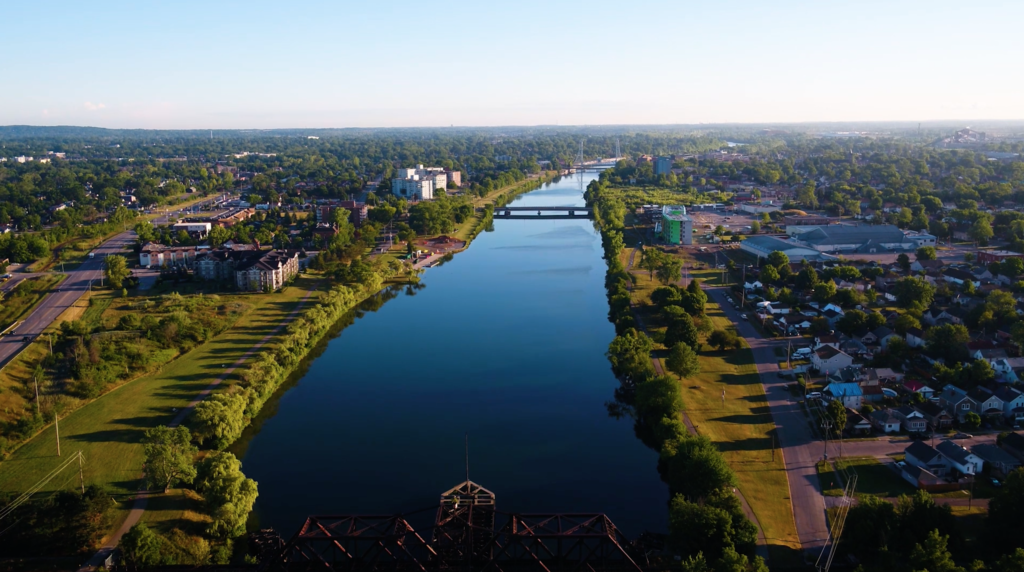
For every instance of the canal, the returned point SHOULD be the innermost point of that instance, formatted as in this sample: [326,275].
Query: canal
[505,343]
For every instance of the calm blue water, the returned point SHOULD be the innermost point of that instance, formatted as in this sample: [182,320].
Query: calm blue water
[506,343]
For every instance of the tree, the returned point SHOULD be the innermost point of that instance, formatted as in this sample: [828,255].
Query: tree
[926,253]
[669,269]
[723,339]
[906,322]
[227,492]
[948,342]
[836,412]
[1004,523]
[1013,562]
[144,230]
[695,468]
[682,361]
[169,456]
[755,227]
[914,292]
[824,291]
[981,231]
[630,355]
[851,322]
[218,236]
[681,329]
[932,555]
[115,268]
[769,275]
[657,400]
[904,261]
[651,260]
[971,421]
[140,546]
[220,419]
[777,259]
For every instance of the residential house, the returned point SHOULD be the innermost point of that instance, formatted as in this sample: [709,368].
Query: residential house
[957,402]
[882,375]
[914,386]
[940,317]
[885,420]
[849,394]
[911,419]
[755,285]
[915,338]
[832,316]
[826,340]
[989,405]
[880,335]
[936,415]
[1013,403]
[922,455]
[1013,443]
[851,374]
[923,478]
[959,277]
[1000,463]
[1009,370]
[991,355]
[856,424]
[873,393]
[828,358]
[960,458]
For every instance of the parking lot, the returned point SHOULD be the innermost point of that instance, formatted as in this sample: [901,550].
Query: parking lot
[706,220]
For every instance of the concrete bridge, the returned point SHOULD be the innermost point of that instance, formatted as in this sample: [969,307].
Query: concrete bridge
[521,212]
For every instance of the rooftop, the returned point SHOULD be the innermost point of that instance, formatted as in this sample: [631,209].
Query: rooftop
[842,234]
[674,212]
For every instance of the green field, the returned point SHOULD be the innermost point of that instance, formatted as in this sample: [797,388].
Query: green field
[873,478]
[108,429]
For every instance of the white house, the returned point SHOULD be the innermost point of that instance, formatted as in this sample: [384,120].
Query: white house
[885,421]
[1009,369]
[755,285]
[915,337]
[1013,403]
[828,358]
[959,458]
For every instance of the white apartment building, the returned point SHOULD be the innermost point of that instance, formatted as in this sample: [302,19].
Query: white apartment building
[420,183]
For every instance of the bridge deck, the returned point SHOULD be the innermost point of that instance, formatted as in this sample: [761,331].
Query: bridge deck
[541,209]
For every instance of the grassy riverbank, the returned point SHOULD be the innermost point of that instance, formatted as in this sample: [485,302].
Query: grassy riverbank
[741,427]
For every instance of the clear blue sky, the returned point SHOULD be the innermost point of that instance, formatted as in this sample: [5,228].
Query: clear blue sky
[258,64]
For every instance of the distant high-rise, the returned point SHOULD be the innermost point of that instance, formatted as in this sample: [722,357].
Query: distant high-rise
[420,183]
[663,165]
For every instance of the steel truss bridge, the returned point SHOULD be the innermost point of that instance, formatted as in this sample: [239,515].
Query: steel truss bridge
[467,534]
[520,212]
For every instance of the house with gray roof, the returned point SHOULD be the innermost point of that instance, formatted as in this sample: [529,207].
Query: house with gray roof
[1000,463]
[865,239]
[921,454]
[1013,403]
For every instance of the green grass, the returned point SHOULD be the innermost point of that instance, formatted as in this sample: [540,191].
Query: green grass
[108,429]
[873,478]
[20,301]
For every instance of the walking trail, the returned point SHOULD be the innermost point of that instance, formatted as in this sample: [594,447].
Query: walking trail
[142,499]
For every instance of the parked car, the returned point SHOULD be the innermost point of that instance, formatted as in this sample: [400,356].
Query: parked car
[996,483]
[963,436]
[901,464]
[814,395]
[743,316]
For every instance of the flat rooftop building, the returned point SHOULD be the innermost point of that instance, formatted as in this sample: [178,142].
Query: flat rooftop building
[762,246]
[864,239]
[676,225]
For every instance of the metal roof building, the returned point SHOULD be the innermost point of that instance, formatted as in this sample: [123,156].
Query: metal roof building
[865,239]
[762,246]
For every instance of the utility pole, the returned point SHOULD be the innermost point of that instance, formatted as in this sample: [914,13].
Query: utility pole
[56,427]
[81,475]
[773,447]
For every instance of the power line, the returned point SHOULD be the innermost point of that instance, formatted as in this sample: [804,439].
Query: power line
[27,495]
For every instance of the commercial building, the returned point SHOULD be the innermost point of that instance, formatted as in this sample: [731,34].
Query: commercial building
[199,229]
[663,165]
[420,183]
[866,239]
[676,225]
[157,255]
[233,216]
[809,220]
[986,257]
[762,246]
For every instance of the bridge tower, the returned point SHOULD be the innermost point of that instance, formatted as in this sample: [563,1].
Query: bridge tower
[618,151]
[579,157]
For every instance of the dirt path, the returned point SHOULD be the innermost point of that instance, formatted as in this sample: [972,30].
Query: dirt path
[142,499]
